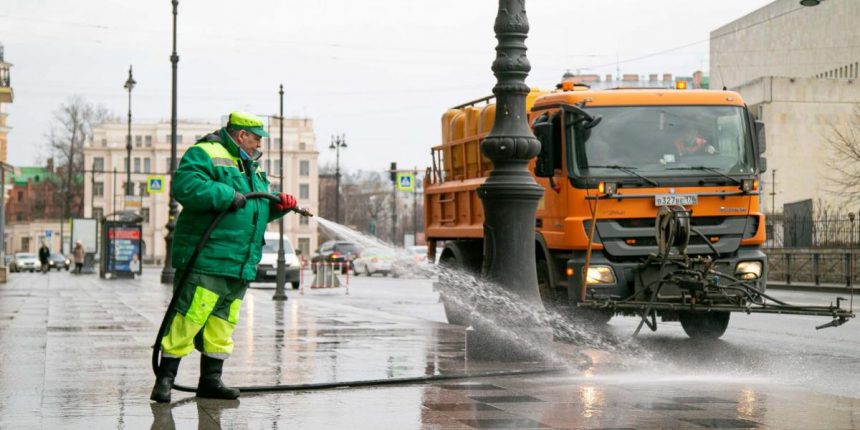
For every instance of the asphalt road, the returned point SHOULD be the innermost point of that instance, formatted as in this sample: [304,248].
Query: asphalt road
[785,350]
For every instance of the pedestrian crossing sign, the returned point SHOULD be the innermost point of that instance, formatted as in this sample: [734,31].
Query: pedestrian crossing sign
[405,181]
[155,184]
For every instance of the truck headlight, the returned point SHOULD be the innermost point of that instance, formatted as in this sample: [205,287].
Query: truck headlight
[600,275]
[748,270]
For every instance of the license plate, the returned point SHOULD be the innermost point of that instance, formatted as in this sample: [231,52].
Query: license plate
[675,200]
[271,272]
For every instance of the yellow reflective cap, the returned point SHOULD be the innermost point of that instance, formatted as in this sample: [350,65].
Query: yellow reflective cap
[247,121]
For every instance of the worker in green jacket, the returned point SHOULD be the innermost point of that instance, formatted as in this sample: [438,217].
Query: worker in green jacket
[213,176]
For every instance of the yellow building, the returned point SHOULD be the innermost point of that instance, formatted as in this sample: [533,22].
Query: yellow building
[6,96]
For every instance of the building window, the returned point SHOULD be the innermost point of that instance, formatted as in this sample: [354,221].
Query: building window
[142,187]
[277,142]
[302,146]
[178,138]
[104,142]
[136,164]
[304,168]
[98,189]
[144,212]
[278,167]
[98,163]
[138,141]
[304,191]
[268,165]
[147,140]
[146,165]
[20,196]
[98,213]
[303,220]
[25,244]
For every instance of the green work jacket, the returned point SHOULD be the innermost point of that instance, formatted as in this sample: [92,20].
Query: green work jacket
[204,184]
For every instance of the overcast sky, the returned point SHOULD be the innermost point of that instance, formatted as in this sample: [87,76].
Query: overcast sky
[381,71]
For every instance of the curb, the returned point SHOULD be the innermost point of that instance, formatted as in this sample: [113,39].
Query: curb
[811,288]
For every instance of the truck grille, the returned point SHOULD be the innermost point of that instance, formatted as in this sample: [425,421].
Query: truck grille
[636,237]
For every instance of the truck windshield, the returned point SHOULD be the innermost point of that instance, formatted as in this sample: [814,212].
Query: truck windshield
[664,141]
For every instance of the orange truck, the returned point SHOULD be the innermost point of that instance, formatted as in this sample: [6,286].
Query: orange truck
[611,162]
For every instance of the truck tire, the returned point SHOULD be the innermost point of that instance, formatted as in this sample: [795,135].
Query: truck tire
[704,325]
[465,257]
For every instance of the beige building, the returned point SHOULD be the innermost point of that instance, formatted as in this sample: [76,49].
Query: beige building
[6,96]
[797,69]
[105,158]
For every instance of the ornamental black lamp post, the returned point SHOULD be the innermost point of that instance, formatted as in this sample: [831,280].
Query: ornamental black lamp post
[168,272]
[281,276]
[510,194]
[129,85]
[337,142]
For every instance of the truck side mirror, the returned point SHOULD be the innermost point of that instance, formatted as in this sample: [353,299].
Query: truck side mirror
[544,164]
[762,164]
[760,136]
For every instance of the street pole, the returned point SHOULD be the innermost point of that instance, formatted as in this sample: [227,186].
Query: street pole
[414,206]
[337,142]
[93,190]
[129,85]
[280,279]
[167,272]
[113,194]
[510,194]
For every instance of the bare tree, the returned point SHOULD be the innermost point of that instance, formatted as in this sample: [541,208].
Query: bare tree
[844,163]
[71,127]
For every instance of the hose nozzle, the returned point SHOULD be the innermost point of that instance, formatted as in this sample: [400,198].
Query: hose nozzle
[302,211]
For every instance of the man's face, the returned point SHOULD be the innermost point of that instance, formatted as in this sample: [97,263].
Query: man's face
[249,142]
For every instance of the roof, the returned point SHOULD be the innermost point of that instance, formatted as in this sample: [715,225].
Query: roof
[22,175]
[641,97]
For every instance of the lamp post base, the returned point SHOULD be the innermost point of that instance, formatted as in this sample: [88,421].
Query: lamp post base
[167,275]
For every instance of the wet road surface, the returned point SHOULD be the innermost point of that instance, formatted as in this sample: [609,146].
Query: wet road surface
[75,350]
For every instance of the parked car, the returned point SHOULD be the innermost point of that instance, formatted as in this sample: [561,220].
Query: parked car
[25,261]
[374,260]
[412,262]
[336,251]
[7,260]
[58,261]
[267,269]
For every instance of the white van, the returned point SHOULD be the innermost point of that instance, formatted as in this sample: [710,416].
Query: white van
[267,270]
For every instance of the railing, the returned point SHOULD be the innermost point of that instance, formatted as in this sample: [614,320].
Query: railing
[804,232]
[813,266]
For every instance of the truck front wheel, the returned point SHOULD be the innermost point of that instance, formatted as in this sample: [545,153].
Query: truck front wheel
[460,260]
[704,325]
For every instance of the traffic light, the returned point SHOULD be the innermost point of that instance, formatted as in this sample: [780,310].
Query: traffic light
[393,171]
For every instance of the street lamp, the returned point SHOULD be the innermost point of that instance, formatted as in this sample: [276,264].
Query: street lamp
[129,85]
[168,272]
[281,274]
[337,142]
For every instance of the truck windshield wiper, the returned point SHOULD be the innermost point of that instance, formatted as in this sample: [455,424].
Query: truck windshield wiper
[707,169]
[629,170]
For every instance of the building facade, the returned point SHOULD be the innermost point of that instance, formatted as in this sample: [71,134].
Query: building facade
[6,96]
[105,161]
[796,68]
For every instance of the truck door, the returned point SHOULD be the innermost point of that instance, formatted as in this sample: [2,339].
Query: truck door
[552,207]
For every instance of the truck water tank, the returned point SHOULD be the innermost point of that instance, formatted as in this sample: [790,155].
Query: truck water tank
[472,115]
[446,123]
[487,118]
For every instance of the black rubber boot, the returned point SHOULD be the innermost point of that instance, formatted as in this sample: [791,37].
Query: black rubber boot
[164,379]
[210,385]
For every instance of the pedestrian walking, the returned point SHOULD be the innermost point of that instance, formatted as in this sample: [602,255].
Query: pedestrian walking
[213,176]
[79,254]
[44,255]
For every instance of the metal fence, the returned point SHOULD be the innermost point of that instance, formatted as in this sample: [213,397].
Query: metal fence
[841,232]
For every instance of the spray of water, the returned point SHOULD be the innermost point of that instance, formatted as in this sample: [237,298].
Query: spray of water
[491,307]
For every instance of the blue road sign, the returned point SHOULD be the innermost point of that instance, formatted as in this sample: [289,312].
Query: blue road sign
[155,184]
[405,181]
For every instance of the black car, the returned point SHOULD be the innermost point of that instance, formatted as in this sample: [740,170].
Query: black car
[335,251]
[58,261]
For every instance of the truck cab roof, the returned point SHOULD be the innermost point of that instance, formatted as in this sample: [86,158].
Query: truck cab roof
[634,97]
